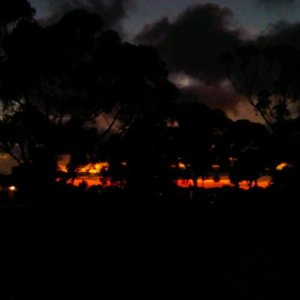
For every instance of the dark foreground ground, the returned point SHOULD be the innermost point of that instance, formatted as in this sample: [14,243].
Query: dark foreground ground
[224,244]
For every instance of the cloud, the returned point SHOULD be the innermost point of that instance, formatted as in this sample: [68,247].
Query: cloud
[280,7]
[281,33]
[112,12]
[194,42]
[192,46]
[219,95]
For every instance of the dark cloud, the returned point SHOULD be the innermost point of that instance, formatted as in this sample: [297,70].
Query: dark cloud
[112,12]
[194,42]
[278,6]
[281,33]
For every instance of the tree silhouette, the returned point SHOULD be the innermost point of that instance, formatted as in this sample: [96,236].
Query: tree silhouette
[269,78]
[148,153]
[201,132]
[182,141]
[249,150]
[11,12]
[59,81]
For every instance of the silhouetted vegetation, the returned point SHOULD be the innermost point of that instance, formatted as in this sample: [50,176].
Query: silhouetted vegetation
[58,82]
[73,91]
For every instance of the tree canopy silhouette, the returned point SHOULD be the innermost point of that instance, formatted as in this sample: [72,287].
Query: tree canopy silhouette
[183,142]
[201,130]
[58,81]
[269,78]
[249,150]
[11,11]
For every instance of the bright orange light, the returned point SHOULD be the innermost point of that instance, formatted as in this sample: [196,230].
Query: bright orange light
[185,183]
[282,166]
[89,174]
[224,181]
[62,163]
[93,169]
[210,183]
[62,168]
[181,166]
[91,181]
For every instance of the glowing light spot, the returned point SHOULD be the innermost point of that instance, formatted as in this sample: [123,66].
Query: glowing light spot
[181,166]
[62,168]
[282,166]
[12,188]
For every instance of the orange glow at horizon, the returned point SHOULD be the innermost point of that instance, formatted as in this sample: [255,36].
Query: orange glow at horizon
[94,181]
[210,183]
[90,175]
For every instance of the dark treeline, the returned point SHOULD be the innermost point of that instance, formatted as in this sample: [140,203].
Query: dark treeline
[75,88]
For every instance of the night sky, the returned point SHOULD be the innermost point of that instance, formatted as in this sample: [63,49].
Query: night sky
[191,35]
[254,15]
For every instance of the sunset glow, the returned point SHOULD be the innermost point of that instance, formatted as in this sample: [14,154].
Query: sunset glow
[210,183]
[92,181]
[90,174]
